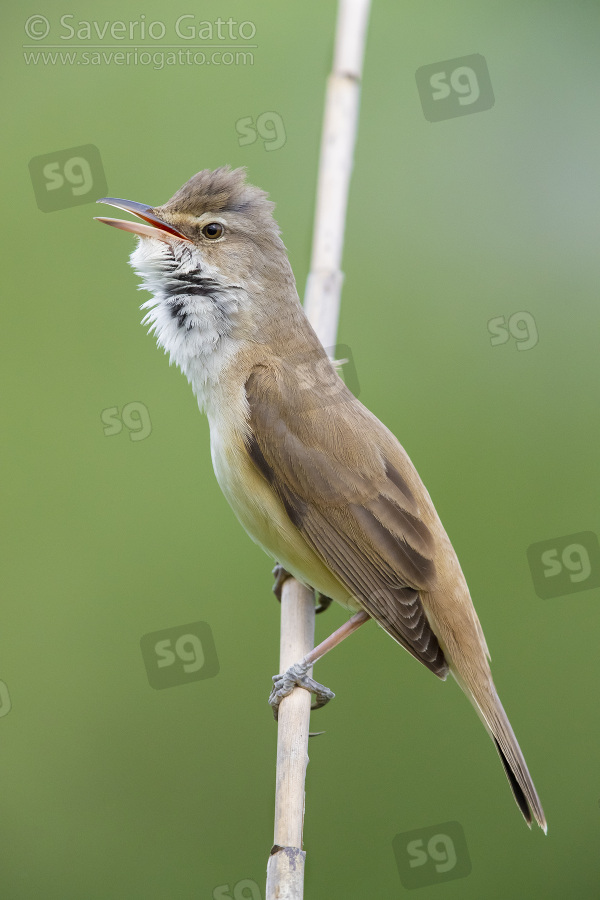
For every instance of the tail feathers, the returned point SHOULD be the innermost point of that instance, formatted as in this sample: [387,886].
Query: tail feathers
[515,786]
[491,712]
[514,764]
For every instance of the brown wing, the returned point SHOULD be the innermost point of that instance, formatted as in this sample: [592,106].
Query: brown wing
[351,505]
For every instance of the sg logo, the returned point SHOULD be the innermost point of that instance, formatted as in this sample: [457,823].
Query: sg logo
[521,325]
[134,416]
[565,565]
[430,855]
[313,373]
[67,177]
[178,655]
[455,87]
[246,889]
[269,126]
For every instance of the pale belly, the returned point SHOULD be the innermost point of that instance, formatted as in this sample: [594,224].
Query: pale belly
[263,517]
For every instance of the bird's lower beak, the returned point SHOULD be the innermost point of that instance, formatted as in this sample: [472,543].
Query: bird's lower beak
[154,228]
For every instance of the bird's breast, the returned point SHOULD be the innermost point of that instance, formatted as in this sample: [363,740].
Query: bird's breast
[259,509]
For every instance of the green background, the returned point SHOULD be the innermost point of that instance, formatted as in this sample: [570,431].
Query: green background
[111,789]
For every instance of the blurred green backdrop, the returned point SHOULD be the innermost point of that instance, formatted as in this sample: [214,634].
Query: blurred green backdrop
[112,789]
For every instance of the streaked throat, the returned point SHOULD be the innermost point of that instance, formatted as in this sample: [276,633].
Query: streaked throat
[193,310]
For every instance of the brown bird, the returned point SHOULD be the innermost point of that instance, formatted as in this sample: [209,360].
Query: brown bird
[313,476]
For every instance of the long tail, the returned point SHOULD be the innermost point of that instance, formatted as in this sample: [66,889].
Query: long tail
[491,712]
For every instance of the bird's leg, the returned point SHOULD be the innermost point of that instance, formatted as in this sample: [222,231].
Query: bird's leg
[296,675]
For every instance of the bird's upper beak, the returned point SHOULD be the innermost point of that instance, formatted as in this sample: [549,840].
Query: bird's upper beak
[155,228]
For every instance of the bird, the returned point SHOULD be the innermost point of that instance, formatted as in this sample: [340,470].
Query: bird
[314,477]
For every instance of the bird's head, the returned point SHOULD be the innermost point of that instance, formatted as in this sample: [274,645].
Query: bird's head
[215,264]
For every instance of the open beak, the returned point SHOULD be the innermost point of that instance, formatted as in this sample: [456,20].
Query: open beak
[154,227]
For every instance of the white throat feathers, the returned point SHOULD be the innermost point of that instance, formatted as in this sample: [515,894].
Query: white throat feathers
[192,312]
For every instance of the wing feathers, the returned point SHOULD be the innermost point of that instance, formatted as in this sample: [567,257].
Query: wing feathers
[358,514]
[397,609]
[393,541]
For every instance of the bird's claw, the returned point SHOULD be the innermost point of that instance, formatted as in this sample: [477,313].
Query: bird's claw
[296,676]
[323,604]
[281,575]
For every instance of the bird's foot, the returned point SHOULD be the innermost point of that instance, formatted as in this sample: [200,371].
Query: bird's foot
[296,677]
[281,575]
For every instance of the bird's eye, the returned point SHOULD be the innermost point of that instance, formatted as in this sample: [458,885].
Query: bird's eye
[213,230]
